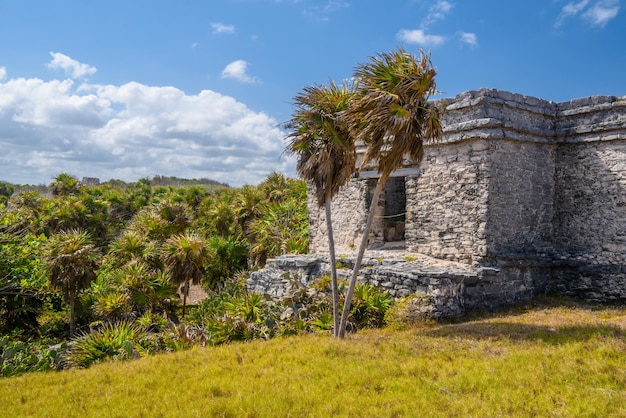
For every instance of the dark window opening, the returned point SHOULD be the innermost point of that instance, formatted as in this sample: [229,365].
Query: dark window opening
[395,209]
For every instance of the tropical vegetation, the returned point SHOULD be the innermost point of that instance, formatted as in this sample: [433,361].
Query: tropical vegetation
[93,273]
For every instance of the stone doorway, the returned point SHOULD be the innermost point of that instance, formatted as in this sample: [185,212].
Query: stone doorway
[394,218]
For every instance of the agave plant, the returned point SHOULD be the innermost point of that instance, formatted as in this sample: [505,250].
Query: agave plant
[114,341]
[370,305]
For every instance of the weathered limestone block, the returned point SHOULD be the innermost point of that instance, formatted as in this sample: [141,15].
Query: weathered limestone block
[274,280]
[591,200]
[520,198]
[447,203]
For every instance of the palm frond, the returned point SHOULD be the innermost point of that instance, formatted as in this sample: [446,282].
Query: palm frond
[392,114]
[321,138]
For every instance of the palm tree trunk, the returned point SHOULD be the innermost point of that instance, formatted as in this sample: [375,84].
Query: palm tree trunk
[185,291]
[72,319]
[359,258]
[333,264]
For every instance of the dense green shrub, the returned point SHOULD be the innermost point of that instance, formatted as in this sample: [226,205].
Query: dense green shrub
[234,315]
[307,309]
[310,308]
[228,257]
[129,224]
[17,357]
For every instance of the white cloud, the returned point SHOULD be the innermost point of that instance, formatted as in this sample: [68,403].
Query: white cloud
[469,38]
[72,67]
[419,37]
[599,13]
[220,28]
[437,11]
[237,70]
[334,5]
[131,131]
[322,12]
[574,8]
[570,9]
[3,73]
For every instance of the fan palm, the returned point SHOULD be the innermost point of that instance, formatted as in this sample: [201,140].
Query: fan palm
[184,258]
[162,220]
[71,262]
[326,153]
[65,185]
[250,205]
[177,215]
[392,116]
[131,244]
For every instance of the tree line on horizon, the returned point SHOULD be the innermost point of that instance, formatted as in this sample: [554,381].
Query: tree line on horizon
[7,189]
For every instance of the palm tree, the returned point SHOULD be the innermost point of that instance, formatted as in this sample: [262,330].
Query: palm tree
[218,213]
[250,203]
[184,258]
[163,220]
[177,216]
[392,116]
[71,262]
[130,244]
[326,153]
[282,229]
[65,185]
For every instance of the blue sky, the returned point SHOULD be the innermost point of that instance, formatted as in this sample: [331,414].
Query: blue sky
[198,88]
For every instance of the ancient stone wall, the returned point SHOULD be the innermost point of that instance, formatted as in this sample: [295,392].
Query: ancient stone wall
[447,203]
[591,179]
[487,188]
[349,212]
[520,207]
[591,201]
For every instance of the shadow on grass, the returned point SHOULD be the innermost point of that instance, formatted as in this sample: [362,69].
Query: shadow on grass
[512,325]
[521,332]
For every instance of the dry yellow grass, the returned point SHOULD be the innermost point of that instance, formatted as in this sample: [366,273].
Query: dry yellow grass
[549,359]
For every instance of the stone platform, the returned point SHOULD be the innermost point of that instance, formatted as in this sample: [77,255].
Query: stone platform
[448,288]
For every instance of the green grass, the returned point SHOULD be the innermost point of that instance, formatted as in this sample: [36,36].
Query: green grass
[547,359]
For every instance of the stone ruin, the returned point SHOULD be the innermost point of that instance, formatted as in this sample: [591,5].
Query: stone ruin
[522,196]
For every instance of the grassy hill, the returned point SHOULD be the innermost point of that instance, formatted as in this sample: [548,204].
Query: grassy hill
[548,358]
